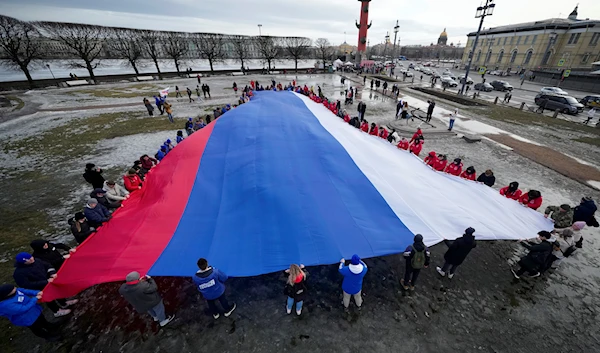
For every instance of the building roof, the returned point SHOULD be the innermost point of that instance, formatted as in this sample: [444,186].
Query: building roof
[551,23]
[444,34]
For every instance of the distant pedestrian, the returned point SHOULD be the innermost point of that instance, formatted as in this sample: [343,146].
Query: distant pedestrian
[158,103]
[211,283]
[452,119]
[353,279]
[177,93]
[385,86]
[590,115]
[20,307]
[430,108]
[208,90]
[372,84]
[142,294]
[198,91]
[149,107]
[204,89]
[199,80]
[457,252]
[169,110]
[189,93]
[417,257]
[235,88]
[295,288]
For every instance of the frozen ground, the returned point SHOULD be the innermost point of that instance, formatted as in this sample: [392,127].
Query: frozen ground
[481,310]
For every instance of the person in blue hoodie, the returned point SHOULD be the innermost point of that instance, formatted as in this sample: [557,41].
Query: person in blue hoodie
[162,152]
[179,136]
[159,104]
[417,257]
[211,283]
[353,279]
[169,145]
[20,307]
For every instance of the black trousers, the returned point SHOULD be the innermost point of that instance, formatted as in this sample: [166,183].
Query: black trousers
[57,304]
[410,275]
[212,304]
[44,329]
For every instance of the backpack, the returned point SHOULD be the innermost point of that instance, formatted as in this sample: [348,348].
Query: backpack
[418,260]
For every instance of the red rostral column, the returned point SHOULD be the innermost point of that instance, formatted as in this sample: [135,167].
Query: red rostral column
[363,27]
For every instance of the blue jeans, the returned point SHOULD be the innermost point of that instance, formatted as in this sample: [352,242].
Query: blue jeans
[290,303]
[170,117]
[158,312]
[451,124]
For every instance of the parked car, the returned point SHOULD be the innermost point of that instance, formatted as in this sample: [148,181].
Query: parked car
[426,71]
[496,73]
[449,74]
[461,78]
[486,87]
[590,101]
[553,90]
[566,104]
[446,80]
[409,74]
[435,74]
[411,66]
[501,85]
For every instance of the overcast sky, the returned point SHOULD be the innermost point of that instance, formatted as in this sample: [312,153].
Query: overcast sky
[420,21]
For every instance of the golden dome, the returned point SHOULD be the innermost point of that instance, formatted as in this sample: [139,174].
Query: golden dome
[444,34]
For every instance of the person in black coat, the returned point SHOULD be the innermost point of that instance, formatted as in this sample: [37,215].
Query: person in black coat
[457,252]
[430,110]
[93,175]
[487,178]
[48,252]
[585,212]
[536,260]
[100,195]
[80,227]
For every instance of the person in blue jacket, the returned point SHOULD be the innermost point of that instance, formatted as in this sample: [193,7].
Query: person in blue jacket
[353,279]
[211,283]
[162,152]
[95,213]
[179,136]
[20,307]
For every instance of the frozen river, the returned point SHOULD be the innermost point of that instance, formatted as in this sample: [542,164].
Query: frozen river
[61,68]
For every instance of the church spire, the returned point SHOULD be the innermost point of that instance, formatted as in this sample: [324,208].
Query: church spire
[573,15]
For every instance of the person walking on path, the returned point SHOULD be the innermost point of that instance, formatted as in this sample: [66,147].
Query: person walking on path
[535,261]
[452,118]
[211,283]
[457,252]
[207,90]
[417,257]
[169,110]
[295,288]
[353,280]
[142,294]
[20,307]
[430,110]
[189,93]
[177,93]
[590,115]
[159,104]
[149,107]
[199,80]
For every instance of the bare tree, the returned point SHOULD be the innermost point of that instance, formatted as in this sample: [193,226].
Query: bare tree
[125,43]
[149,43]
[176,47]
[269,49]
[210,46]
[324,49]
[17,44]
[297,48]
[83,41]
[241,48]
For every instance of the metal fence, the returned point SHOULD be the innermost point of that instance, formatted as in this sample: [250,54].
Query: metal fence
[580,81]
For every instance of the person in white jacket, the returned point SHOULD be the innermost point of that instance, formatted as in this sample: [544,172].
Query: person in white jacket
[114,191]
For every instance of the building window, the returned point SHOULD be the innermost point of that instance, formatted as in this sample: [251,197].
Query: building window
[478,56]
[526,40]
[500,55]
[513,56]
[512,40]
[594,39]
[574,38]
[488,57]
[518,40]
[534,39]
[546,57]
[528,57]
[505,38]
[585,58]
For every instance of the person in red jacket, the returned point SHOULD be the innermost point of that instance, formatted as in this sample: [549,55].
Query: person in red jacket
[403,144]
[416,146]
[364,126]
[511,191]
[374,130]
[431,159]
[132,181]
[469,173]
[383,133]
[416,135]
[532,199]
[346,117]
[440,164]
[147,163]
[455,168]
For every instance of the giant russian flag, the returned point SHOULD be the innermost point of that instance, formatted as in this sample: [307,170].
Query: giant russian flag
[282,180]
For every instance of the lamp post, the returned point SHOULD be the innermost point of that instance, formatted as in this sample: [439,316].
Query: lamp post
[482,11]
[259,30]
[387,39]
[48,66]
[367,51]
[396,28]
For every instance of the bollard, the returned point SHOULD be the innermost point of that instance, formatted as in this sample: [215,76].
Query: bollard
[555,113]
[474,95]
[522,106]
[496,100]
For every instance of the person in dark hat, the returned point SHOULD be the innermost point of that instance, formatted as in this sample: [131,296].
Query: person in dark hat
[535,261]
[100,195]
[49,252]
[561,216]
[532,199]
[93,175]
[457,252]
[96,214]
[20,307]
[469,173]
[80,228]
[454,168]
[132,180]
[417,257]
[353,279]
[511,191]
[585,212]
[142,294]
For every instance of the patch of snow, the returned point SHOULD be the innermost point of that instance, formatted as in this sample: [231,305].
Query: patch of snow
[581,161]
[517,137]
[595,184]
[498,143]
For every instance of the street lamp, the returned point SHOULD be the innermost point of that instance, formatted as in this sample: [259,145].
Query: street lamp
[259,30]
[48,66]
[482,11]
[396,28]
[387,39]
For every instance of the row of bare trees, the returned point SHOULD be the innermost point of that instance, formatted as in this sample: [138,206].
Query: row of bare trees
[24,43]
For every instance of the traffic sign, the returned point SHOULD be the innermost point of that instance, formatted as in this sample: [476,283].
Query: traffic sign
[566,73]
[482,70]
[561,62]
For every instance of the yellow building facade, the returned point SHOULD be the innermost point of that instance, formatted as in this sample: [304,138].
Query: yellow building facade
[557,43]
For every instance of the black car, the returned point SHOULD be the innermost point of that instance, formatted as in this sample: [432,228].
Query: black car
[501,85]
[486,87]
[591,101]
[565,104]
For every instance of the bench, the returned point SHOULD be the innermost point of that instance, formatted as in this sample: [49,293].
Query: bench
[144,78]
[77,83]
[237,74]
[472,138]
